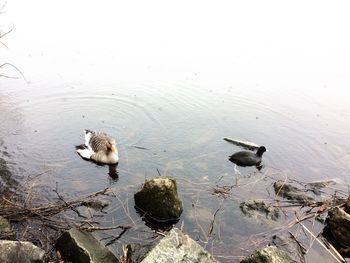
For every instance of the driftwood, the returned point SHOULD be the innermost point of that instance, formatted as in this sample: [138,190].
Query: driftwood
[242,143]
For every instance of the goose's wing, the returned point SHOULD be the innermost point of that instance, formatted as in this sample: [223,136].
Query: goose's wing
[98,142]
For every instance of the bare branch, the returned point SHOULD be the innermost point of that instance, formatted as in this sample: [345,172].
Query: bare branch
[18,70]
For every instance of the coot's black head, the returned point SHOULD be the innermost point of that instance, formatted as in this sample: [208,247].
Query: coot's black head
[260,151]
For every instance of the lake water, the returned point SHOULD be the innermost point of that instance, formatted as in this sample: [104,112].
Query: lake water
[176,79]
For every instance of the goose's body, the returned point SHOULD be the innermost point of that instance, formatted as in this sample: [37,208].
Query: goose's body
[99,147]
[245,158]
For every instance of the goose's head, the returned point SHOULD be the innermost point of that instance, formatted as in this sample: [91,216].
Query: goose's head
[111,145]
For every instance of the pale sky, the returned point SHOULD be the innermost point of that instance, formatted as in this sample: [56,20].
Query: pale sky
[181,36]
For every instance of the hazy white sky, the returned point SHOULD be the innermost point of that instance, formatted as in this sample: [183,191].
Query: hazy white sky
[233,36]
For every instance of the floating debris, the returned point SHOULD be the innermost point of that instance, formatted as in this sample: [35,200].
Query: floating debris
[245,144]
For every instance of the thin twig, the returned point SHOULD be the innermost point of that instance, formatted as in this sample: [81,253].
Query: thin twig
[117,237]
[67,204]
[212,222]
[340,259]
[18,70]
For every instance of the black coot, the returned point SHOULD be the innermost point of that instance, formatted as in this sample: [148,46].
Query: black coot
[245,158]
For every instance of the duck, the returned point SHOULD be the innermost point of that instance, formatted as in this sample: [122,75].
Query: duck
[246,158]
[99,147]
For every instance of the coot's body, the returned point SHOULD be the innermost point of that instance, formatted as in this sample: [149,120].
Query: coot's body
[245,158]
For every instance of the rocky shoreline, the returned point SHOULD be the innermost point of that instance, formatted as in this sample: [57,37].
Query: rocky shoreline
[160,205]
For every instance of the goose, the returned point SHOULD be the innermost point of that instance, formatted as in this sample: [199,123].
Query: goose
[99,147]
[245,158]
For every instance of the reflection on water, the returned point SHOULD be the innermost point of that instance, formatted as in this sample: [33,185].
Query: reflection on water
[175,131]
[172,132]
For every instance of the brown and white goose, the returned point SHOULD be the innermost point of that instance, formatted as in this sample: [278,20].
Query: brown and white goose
[99,147]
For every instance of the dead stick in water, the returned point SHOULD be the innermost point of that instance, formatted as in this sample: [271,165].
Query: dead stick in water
[67,204]
[117,237]
[340,259]
[212,222]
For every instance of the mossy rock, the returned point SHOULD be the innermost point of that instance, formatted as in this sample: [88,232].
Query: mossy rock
[291,192]
[269,254]
[6,230]
[20,252]
[82,247]
[338,222]
[158,198]
[259,209]
[5,225]
[347,205]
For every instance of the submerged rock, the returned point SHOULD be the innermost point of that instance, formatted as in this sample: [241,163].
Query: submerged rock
[96,204]
[291,192]
[178,247]
[5,226]
[338,222]
[79,246]
[259,209]
[20,252]
[288,244]
[158,198]
[269,254]
[316,187]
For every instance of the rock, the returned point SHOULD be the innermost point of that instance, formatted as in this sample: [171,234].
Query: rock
[287,243]
[20,252]
[6,231]
[338,222]
[5,226]
[347,205]
[178,247]
[79,246]
[137,252]
[316,187]
[269,254]
[259,209]
[158,198]
[96,204]
[291,192]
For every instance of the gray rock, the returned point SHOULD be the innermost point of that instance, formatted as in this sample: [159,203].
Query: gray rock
[6,231]
[20,252]
[269,254]
[137,252]
[159,199]
[259,209]
[178,247]
[79,246]
[316,187]
[347,205]
[5,225]
[288,244]
[338,222]
[96,204]
[291,192]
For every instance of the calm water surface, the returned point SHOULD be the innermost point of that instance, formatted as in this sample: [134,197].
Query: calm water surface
[177,101]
